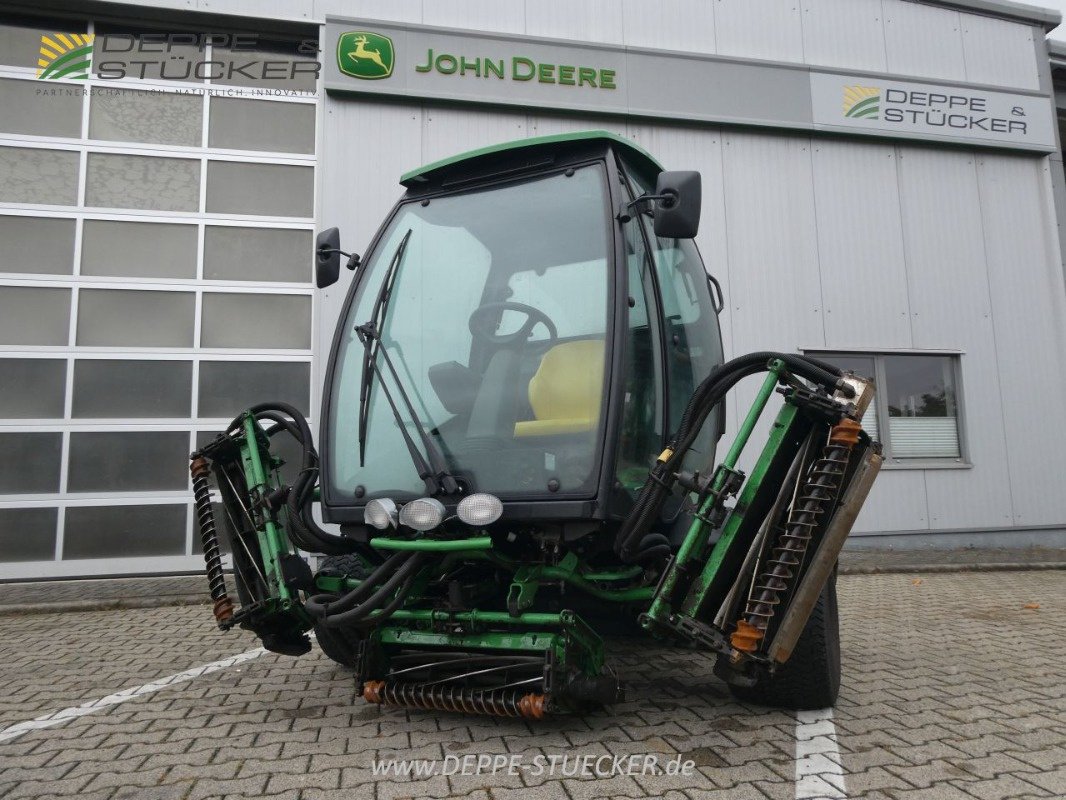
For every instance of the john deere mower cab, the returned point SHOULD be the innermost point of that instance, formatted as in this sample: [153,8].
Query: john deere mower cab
[539,318]
[523,400]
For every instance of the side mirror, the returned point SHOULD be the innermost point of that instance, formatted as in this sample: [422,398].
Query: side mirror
[327,257]
[677,207]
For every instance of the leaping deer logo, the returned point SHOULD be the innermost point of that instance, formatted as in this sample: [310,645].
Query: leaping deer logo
[362,51]
[365,54]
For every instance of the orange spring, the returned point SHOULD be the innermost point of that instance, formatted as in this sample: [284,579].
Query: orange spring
[746,637]
[845,432]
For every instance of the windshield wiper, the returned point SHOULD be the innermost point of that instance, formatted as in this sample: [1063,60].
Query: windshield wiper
[370,346]
[435,472]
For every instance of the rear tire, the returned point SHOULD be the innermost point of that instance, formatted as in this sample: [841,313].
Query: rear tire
[339,644]
[810,679]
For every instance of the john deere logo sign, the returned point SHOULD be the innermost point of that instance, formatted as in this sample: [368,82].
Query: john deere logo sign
[65,55]
[365,55]
[862,102]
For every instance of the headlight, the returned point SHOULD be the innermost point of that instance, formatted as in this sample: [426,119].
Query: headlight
[480,509]
[380,513]
[423,514]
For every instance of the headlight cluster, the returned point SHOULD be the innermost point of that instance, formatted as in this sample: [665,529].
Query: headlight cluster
[427,513]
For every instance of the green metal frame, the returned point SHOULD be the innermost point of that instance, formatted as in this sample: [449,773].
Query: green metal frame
[695,542]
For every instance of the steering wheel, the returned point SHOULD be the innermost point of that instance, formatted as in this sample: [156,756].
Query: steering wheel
[482,324]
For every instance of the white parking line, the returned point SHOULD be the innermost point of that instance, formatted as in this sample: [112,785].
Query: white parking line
[67,714]
[819,775]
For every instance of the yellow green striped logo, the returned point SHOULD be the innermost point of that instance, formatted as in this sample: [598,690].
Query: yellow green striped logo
[862,102]
[65,55]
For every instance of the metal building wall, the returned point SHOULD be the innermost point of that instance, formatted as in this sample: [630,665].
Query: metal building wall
[820,243]
[901,36]
[827,244]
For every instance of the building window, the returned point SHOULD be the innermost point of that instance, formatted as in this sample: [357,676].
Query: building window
[916,414]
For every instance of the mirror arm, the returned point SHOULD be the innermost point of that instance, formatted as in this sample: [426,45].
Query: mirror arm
[353,258]
[644,203]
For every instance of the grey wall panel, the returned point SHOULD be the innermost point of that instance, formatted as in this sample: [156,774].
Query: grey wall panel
[1029,313]
[124,531]
[770,29]
[843,33]
[477,15]
[860,245]
[237,320]
[30,462]
[26,111]
[999,52]
[898,502]
[924,40]
[28,534]
[947,282]
[33,388]
[397,10]
[446,129]
[772,243]
[358,214]
[125,317]
[772,288]
[37,175]
[128,461]
[34,315]
[138,249]
[548,124]
[590,21]
[669,25]
[126,389]
[37,244]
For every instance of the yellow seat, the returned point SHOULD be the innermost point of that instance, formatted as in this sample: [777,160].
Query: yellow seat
[565,392]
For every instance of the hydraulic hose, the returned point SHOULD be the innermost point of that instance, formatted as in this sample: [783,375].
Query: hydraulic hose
[709,393]
[399,584]
[321,605]
[303,530]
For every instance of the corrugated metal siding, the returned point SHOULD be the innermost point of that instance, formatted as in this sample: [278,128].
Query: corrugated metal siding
[769,29]
[898,502]
[669,24]
[590,21]
[1029,313]
[394,10]
[860,245]
[947,282]
[770,236]
[999,52]
[843,33]
[450,130]
[924,40]
[475,15]
[842,245]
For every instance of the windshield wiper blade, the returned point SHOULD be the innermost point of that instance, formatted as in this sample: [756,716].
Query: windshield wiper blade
[436,469]
[370,346]
[435,472]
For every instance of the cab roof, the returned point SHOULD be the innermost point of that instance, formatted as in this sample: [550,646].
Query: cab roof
[473,159]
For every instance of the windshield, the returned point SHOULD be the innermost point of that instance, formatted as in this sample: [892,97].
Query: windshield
[496,324]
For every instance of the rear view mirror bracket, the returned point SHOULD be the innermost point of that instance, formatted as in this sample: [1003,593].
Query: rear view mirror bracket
[675,206]
[327,258]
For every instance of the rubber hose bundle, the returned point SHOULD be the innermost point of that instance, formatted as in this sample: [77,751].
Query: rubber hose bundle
[383,591]
[303,530]
[632,544]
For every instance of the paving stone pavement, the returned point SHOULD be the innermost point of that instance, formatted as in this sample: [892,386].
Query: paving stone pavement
[952,689]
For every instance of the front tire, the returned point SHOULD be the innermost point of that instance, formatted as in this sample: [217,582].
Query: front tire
[810,679]
[340,645]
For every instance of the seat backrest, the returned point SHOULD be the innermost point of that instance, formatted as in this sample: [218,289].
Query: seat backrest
[566,390]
